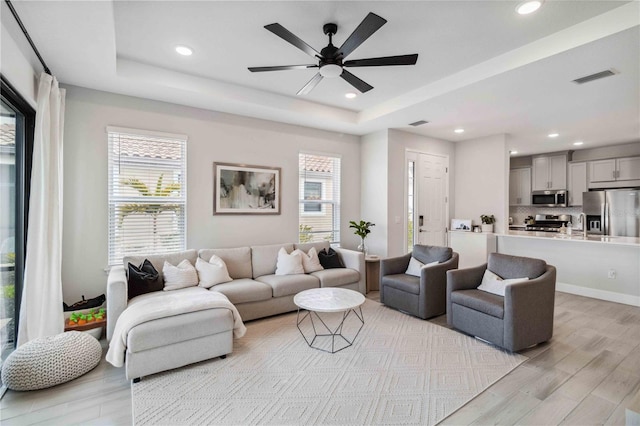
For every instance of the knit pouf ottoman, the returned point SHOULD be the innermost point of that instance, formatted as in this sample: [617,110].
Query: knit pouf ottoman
[49,361]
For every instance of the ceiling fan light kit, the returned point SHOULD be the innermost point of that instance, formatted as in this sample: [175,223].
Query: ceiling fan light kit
[331,59]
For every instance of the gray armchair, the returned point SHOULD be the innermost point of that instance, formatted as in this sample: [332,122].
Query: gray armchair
[424,296]
[522,318]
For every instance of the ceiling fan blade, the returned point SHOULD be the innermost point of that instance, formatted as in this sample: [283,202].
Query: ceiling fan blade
[310,85]
[288,36]
[355,81]
[369,25]
[387,60]
[282,68]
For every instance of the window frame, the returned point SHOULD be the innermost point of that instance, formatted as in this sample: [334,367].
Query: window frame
[25,131]
[116,196]
[336,205]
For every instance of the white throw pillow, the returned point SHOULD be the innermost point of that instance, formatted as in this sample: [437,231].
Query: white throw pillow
[181,276]
[289,264]
[212,272]
[494,284]
[415,266]
[310,261]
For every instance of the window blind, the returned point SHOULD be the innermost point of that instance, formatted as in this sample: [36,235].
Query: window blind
[319,194]
[147,193]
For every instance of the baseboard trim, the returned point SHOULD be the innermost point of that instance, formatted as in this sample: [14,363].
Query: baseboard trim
[609,296]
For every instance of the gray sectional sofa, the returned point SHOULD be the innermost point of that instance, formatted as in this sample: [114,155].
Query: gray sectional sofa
[255,291]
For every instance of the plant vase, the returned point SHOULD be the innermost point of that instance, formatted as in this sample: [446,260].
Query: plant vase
[362,247]
[487,227]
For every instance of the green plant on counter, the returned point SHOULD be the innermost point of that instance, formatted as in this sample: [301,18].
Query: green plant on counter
[487,220]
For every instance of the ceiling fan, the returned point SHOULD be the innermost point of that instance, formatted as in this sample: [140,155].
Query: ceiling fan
[331,59]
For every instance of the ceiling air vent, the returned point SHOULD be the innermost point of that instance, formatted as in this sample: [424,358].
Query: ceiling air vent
[418,123]
[596,76]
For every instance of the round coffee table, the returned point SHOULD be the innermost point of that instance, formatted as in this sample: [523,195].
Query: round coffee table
[328,300]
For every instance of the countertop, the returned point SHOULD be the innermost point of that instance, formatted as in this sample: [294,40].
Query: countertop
[576,236]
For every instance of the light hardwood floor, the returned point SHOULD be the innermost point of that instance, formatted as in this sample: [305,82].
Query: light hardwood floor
[587,374]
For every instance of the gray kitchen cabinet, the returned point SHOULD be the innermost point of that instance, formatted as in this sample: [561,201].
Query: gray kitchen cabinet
[614,169]
[549,172]
[520,187]
[577,183]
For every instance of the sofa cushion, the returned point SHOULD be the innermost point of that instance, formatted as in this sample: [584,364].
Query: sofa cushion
[480,301]
[330,259]
[337,277]
[289,264]
[310,260]
[143,279]
[428,254]
[178,276]
[238,260]
[245,290]
[285,285]
[508,266]
[179,328]
[213,272]
[264,258]
[157,260]
[403,282]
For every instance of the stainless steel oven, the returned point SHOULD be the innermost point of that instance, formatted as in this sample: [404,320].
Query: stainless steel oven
[550,198]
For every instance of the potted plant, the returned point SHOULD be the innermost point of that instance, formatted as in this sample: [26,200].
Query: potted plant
[487,222]
[361,230]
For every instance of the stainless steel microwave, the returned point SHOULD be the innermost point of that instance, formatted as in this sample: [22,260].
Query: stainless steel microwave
[551,198]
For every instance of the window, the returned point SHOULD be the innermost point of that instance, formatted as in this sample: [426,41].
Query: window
[312,191]
[17,120]
[319,213]
[147,193]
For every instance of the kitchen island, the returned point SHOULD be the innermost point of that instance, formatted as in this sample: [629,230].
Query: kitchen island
[606,268]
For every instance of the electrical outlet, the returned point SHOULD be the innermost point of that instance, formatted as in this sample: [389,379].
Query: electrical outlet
[612,274]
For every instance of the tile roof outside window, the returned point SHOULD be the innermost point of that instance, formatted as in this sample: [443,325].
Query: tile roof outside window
[315,163]
[152,148]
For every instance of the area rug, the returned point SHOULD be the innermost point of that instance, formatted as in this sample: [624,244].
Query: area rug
[400,370]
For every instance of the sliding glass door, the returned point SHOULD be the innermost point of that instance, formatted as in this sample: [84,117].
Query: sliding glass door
[16,142]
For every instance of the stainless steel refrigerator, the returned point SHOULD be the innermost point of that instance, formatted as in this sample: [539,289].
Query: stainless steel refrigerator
[614,212]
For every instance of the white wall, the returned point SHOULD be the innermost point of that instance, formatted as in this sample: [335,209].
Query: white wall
[399,143]
[482,180]
[17,61]
[213,137]
[373,189]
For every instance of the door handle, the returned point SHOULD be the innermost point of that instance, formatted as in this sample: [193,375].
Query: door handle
[420,230]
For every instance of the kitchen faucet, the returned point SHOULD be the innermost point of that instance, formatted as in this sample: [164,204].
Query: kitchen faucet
[583,220]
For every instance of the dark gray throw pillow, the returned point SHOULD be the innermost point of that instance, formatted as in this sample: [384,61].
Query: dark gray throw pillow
[143,279]
[330,259]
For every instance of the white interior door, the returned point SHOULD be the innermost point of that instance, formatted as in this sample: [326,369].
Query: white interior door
[431,199]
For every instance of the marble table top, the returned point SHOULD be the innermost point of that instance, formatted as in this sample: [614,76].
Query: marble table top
[328,299]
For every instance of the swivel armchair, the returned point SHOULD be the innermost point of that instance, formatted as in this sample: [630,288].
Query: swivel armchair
[523,317]
[423,296]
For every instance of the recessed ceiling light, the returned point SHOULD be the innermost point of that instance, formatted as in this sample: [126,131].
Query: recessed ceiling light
[513,152]
[184,50]
[459,130]
[578,143]
[553,135]
[350,95]
[528,7]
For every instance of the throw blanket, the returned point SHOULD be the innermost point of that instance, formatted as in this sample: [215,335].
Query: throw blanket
[172,303]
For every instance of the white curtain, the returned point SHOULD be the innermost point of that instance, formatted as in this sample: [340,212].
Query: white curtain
[41,311]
